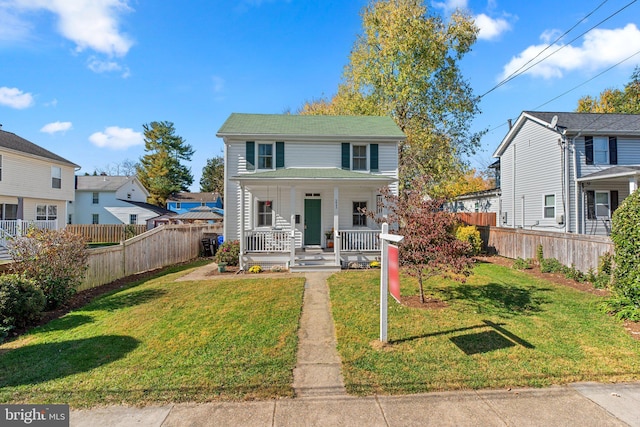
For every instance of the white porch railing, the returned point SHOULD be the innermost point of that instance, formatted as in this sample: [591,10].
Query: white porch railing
[268,241]
[359,240]
[18,227]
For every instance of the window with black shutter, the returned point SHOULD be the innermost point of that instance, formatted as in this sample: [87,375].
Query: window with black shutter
[588,149]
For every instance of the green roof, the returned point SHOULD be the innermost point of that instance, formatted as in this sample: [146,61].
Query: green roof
[311,173]
[287,124]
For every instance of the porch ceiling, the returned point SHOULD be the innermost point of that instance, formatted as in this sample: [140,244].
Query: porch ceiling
[314,174]
[612,173]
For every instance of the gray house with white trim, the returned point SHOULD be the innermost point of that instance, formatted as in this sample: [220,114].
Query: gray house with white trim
[567,172]
[295,186]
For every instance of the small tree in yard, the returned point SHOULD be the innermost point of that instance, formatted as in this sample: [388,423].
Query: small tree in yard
[55,259]
[429,247]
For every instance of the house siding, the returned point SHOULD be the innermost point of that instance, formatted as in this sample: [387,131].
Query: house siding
[535,149]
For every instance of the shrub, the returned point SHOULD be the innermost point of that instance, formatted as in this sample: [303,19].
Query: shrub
[539,254]
[551,265]
[625,235]
[21,302]
[278,269]
[522,264]
[255,269]
[573,273]
[229,253]
[55,259]
[471,235]
[374,264]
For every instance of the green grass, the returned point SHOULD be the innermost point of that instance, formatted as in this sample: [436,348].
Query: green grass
[502,328]
[162,341]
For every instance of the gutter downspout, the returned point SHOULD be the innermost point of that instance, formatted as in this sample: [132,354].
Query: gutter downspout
[577,195]
[513,187]
[567,185]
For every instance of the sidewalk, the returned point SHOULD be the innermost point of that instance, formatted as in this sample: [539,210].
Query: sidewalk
[321,399]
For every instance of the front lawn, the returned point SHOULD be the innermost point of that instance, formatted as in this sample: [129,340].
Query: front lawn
[162,341]
[502,328]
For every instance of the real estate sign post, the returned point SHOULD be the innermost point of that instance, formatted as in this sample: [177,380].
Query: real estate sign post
[389,275]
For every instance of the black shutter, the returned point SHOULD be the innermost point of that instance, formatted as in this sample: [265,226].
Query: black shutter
[613,150]
[591,204]
[373,151]
[614,200]
[588,149]
[279,155]
[346,155]
[250,155]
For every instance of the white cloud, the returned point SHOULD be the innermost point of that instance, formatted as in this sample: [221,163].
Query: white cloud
[15,98]
[54,127]
[450,5]
[117,138]
[90,24]
[491,28]
[218,84]
[600,49]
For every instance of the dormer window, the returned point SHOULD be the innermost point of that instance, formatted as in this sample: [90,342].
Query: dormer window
[359,162]
[601,150]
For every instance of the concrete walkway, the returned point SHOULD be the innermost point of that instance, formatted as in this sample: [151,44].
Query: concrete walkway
[321,399]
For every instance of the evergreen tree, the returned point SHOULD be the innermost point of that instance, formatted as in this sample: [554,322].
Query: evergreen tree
[161,170]
[212,180]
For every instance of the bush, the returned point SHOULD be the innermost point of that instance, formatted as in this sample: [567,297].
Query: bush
[625,235]
[551,265]
[255,269]
[55,259]
[471,235]
[21,302]
[229,253]
[539,254]
[522,264]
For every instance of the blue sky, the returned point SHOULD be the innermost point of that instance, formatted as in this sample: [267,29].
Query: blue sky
[81,77]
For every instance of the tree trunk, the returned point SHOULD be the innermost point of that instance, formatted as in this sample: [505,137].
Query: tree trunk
[421,288]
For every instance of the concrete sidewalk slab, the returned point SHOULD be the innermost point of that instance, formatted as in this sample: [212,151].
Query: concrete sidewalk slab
[329,411]
[120,416]
[259,413]
[622,400]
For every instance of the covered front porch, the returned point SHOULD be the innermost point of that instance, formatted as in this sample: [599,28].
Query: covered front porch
[309,219]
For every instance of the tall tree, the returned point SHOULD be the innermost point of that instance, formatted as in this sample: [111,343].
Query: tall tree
[615,100]
[161,170]
[405,65]
[212,180]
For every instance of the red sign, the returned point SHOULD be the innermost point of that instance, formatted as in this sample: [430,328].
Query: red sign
[394,272]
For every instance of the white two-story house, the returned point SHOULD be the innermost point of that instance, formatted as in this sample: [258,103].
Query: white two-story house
[567,172]
[36,185]
[296,186]
[112,200]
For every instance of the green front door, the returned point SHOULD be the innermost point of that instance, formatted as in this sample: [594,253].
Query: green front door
[312,227]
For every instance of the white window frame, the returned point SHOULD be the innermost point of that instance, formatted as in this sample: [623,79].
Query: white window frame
[264,215]
[607,205]
[545,206]
[95,198]
[600,148]
[95,218]
[178,205]
[361,217]
[56,177]
[133,219]
[360,158]
[46,212]
[259,157]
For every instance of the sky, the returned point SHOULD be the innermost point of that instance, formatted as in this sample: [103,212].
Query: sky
[81,77]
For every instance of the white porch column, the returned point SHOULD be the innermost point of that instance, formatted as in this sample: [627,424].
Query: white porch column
[633,184]
[336,224]
[241,237]
[293,227]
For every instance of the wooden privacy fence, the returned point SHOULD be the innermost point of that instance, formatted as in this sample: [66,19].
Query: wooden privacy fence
[107,233]
[478,218]
[579,250]
[157,248]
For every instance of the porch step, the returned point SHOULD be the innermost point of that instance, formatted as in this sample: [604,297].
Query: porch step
[314,267]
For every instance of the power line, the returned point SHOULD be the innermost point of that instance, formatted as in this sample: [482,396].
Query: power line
[522,71]
[587,81]
[513,74]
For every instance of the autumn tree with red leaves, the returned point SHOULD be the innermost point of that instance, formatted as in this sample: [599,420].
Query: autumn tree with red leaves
[429,247]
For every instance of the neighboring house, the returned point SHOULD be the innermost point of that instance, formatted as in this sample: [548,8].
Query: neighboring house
[111,200]
[185,201]
[567,172]
[297,184]
[35,184]
[486,201]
